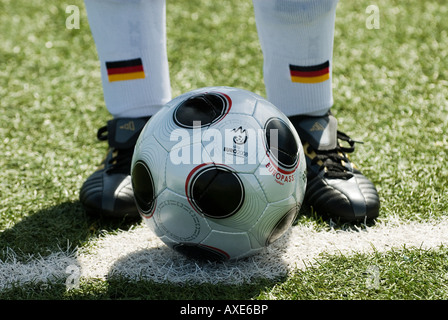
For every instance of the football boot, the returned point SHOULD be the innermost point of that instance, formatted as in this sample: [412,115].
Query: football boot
[335,187]
[108,191]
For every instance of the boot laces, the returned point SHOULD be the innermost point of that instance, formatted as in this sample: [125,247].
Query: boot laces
[333,161]
[120,159]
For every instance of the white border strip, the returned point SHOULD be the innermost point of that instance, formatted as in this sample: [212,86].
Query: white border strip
[138,254]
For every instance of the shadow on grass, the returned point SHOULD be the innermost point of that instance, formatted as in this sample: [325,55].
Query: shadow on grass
[62,227]
[66,227]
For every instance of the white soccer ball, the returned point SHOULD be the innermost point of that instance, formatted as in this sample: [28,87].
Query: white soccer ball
[219,173]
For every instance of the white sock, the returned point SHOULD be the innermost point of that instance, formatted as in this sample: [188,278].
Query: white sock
[130,38]
[296,38]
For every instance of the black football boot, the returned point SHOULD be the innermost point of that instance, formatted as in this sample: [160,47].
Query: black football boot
[335,188]
[108,191]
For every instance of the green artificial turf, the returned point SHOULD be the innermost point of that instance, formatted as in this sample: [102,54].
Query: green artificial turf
[390,88]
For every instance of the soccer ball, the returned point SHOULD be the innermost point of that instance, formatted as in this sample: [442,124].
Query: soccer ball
[218,173]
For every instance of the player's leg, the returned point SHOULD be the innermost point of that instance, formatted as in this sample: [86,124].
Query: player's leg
[130,38]
[296,37]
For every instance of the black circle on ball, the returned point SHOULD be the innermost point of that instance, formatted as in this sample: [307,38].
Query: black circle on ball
[200,253]
[282,225]
[281,143]
[143,187]
[216,192]
[201,110]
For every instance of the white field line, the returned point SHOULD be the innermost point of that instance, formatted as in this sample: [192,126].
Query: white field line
[138,254]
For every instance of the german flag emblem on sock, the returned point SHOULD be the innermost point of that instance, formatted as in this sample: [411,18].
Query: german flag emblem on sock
[310,74]
[125,70]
